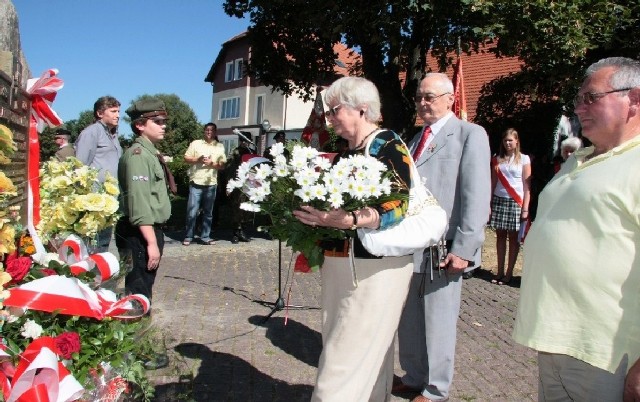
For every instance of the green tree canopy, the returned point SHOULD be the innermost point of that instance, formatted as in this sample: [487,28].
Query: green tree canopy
[182,128]
[48,146]
[557,40]
[182,125]
[292,43]
[292,47]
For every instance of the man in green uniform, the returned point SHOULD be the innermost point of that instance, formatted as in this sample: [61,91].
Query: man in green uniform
[65,149]
[145,200]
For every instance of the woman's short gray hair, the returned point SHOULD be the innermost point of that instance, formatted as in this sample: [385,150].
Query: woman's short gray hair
[355,92]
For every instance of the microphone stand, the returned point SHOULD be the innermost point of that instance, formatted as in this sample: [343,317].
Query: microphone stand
[279,304]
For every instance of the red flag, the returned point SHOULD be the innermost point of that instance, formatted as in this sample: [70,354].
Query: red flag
[315,133]
[460,100]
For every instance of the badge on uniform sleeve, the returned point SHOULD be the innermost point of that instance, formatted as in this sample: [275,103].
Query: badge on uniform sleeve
[140,178]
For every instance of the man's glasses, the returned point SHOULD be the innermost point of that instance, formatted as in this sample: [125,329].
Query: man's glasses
[589,98]
[159,121]
[334,110]
[429,98]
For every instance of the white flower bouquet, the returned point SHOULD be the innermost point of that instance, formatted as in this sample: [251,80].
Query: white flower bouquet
[309,178]
[74,201]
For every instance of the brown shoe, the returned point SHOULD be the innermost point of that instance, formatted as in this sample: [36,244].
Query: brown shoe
[398,387]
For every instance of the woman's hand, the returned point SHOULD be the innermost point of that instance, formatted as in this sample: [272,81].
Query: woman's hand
[336,218]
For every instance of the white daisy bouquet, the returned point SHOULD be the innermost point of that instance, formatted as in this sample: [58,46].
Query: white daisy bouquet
[309,178]
[74,201]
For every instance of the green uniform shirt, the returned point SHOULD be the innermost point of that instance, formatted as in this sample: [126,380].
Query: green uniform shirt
[144,195]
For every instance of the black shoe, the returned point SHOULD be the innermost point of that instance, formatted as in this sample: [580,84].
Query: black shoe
[235,240]
[242,237]
[467,275]
[156,361]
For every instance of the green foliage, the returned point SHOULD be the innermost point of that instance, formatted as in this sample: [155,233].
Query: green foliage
[392,37]
[180,170]
[48,146]
[555,39]
[182,126]
[119,342]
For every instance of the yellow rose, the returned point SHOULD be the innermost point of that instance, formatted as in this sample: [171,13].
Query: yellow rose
[7,239]
[87,226]
[60,183]
[90,202]
[4,278]
[111,187]
[6,186]
[67,215]
[111,205]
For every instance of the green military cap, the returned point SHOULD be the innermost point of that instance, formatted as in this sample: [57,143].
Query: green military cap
[62,130]
[146,108]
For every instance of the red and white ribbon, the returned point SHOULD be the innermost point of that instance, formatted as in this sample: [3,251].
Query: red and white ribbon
[7,371]
[74,252]
[42,92]
[70,296]
[40,376]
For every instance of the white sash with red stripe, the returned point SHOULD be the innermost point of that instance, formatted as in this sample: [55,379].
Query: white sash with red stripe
[505,183]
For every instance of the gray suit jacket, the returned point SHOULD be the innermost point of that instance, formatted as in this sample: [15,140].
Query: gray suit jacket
[456,166]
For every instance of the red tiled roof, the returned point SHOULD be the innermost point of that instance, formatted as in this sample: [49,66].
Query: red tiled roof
[479,69]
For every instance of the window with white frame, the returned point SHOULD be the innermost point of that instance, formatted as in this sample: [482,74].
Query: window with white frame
[238,70]
[230,108]
[233,70]
[229,73]
[259,109]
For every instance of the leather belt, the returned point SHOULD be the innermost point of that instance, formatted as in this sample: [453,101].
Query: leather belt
[333,253]
[338,253]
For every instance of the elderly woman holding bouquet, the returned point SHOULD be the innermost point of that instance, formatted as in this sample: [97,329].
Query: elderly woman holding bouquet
[360,316]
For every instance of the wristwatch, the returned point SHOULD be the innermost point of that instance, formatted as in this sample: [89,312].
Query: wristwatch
[355,221]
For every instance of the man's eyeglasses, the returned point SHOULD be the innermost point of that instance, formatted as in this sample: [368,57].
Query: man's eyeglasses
[589,98]
[334,110]
[159,121]
[429,98]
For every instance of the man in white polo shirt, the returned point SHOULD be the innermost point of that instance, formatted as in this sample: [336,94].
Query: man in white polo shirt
[579,303]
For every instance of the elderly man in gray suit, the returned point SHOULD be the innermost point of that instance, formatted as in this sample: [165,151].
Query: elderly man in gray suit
[454,157]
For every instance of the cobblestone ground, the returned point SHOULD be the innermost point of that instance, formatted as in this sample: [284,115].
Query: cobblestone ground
[210,304]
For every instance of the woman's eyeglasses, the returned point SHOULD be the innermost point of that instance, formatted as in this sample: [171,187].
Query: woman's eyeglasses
[333,111]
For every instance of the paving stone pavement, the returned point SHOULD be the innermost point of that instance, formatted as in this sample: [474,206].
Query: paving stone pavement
[210,304]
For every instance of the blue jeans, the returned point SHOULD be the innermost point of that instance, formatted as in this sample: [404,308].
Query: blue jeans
[200,197]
